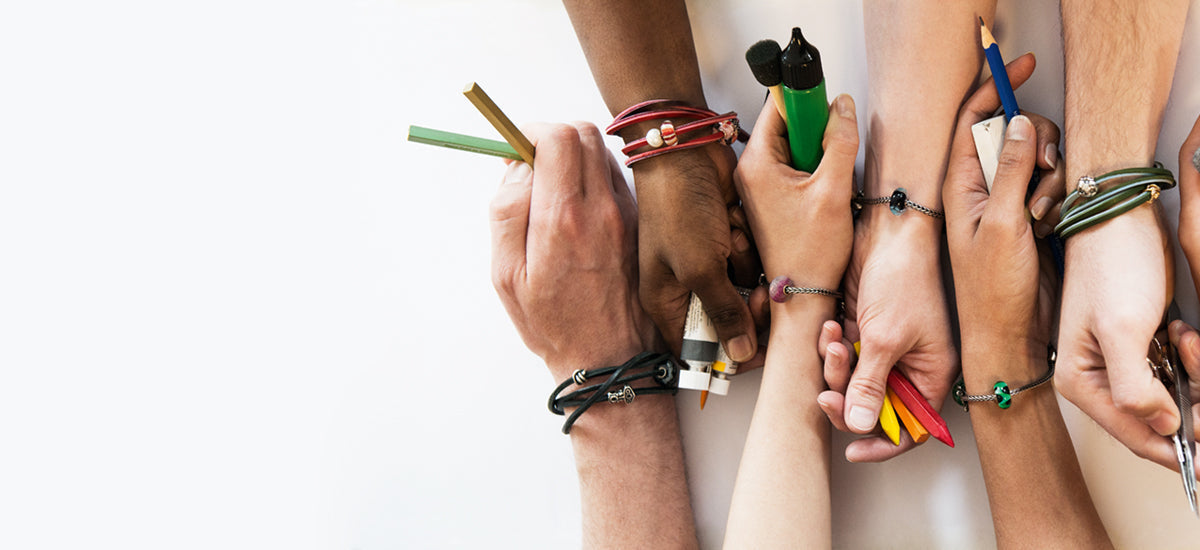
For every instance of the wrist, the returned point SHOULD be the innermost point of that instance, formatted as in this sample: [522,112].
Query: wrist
[662,177]
[987,359]
[563,364]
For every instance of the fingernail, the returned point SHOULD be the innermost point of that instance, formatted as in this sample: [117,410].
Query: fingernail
[1051,154]
[861,418]
[832,351]
[517,172]
[740,349]
[1041,207]
[1041,229]
[845,106]
[1020,129]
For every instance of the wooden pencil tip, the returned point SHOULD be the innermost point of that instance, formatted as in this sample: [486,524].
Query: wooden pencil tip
[703,399]
[985,35]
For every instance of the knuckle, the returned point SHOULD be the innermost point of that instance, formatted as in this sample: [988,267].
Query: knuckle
[868,388]
[724,314]
[565,138]
[702,271]
[1013,159]
[1135,403]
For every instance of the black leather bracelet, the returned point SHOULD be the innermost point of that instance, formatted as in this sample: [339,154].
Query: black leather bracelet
[660,367]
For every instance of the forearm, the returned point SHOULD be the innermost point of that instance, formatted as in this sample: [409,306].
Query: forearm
[922,59]
[1120,59]
[638,50]
[781,497]
[1035,487]
[631,472]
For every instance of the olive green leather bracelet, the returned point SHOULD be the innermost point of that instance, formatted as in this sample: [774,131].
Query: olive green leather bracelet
[1087,205]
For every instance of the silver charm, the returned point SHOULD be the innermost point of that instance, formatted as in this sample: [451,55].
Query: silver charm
[1088,186]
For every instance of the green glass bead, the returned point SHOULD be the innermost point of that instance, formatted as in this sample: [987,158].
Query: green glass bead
[1003,395]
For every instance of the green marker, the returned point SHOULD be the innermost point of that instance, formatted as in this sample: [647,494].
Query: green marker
[807,105]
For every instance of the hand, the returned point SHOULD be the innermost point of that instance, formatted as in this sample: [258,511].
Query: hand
[1189,203]
[896,307]
[687,242]
[801,222]
[1120,278]
[1007,298]
[563,253]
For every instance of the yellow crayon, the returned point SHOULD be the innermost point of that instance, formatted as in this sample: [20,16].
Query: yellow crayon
[887,420]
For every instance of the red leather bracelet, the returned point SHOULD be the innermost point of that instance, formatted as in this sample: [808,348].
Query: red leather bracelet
[668,138]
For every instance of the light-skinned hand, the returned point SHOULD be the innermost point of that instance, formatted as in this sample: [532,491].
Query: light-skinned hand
[563,253]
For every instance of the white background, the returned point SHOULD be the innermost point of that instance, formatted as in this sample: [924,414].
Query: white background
[238,310]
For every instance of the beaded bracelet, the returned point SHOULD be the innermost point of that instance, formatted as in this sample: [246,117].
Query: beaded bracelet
[659,366]
[898,202]
[1001,393]
[1087,205]
[666,138]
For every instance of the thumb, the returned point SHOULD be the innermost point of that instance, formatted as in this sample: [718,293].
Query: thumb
[840,142]
[1015,167]
[868,386]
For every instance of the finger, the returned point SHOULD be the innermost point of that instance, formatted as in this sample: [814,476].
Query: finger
[1135,390]
[840,143]
[1093,397]
[878,449]
[837,367]
[1044,205]
[743,256]
[558,165]
[986,99]
[866,391]
[770,136]
[596,174]
[662,297]
[624,197]
[729,314]
[1187,342]
[1189,177]
[1050,188]
[831,332]
[1189,201]
[831,404]
[509,219]
[760,309]
[1014,170]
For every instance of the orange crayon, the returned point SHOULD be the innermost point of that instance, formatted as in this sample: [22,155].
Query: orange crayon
[915,429]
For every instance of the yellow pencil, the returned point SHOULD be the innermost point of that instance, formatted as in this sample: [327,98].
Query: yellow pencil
[490,111]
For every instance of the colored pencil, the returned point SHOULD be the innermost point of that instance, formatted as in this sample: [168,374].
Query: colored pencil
[991,50]
[915,429]
[490,111]
[451,140]
[920,408]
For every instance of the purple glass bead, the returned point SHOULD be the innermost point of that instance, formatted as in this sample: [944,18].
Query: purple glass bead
[778,288]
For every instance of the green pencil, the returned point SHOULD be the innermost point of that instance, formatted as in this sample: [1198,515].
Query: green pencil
[462,142]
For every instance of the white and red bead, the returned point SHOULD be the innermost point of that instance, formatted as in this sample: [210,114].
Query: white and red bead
[667,130]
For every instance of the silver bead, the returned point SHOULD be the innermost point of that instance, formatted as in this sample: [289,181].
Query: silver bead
[1088,186]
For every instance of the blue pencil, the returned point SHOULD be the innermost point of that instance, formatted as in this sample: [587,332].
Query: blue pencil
[991,50]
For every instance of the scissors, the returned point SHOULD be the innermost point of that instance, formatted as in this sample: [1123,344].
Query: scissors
[1170,371]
